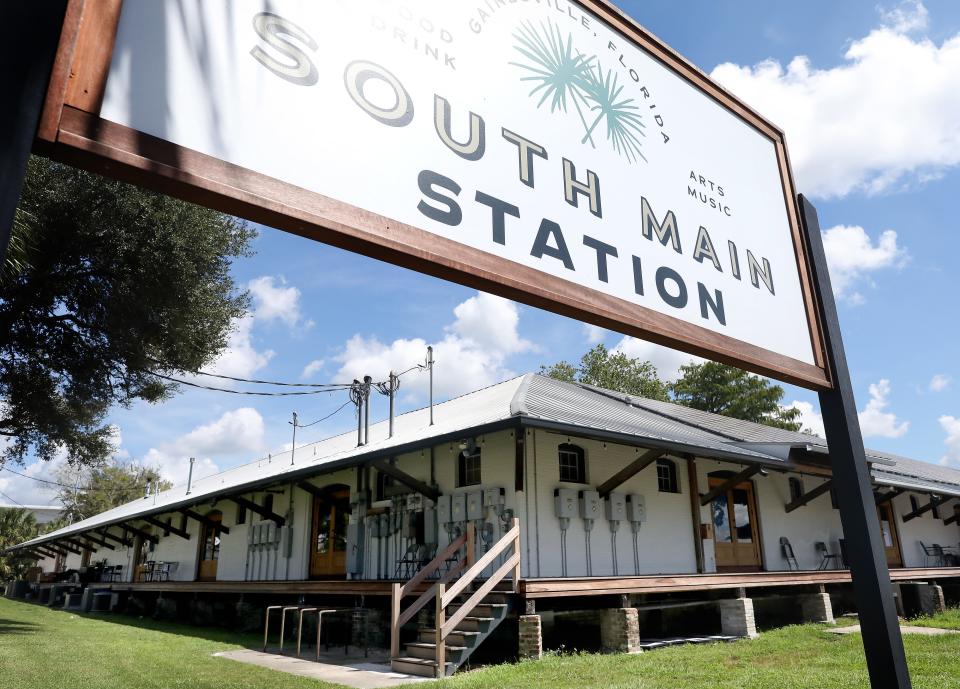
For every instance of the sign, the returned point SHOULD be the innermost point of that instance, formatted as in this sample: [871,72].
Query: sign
[552,152]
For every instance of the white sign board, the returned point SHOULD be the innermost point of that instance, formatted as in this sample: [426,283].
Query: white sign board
[534,132]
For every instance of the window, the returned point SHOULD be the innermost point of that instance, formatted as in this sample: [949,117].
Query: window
[241,514]
[935,510]
[268,502]
[914,503]
[573,463]
[468,469]
[796,488]
[667,476]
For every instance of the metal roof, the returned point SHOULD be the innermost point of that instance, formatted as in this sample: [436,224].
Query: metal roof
[534,400]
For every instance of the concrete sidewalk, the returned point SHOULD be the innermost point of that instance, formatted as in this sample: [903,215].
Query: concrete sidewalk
[904,629]
[361,674]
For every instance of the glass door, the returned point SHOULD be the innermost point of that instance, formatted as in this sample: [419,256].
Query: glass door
[736,540]
[328,543]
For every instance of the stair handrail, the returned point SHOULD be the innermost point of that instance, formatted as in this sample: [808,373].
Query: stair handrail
[444,596]
[399,591]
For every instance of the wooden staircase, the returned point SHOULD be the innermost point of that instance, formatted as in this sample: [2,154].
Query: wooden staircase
[465,610]
[460,642]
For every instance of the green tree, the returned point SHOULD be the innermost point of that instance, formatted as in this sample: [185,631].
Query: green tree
[105,284]
[613,371]
[98,489]
[726,390]
[16,526]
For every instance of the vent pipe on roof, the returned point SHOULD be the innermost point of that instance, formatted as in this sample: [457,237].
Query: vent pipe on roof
[293,444]
[367,380]
[190,475]
[430,369]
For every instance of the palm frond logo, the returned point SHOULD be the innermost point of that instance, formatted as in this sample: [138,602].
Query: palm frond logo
[563,76]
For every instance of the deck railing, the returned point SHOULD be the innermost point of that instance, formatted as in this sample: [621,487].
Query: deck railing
[444,596]
[398,592]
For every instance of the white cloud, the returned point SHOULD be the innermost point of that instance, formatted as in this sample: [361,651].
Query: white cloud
[472,354]
[667,361]
[888,115]
[874,421]
[951,426]
[273,301]
[241,358]
[313,368]
[236,433]
[809,418]
[853,257]
[594,334]
[939,383]
[489,322]
[908,16]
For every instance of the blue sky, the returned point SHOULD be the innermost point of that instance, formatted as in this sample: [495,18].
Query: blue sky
[869,97]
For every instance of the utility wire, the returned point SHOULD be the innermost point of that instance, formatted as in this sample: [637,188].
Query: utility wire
[247,392]
[256,381]
[34,478]
[314,423]
[11,499]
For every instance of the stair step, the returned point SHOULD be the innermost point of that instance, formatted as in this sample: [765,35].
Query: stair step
[457,636]
[482,609]
[418,666]
[428,651]
[472,623]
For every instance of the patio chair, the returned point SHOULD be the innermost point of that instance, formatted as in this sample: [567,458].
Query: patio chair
[939,554]
[828,560]
[408,564]
[788,554]
[930,554]
[163,570]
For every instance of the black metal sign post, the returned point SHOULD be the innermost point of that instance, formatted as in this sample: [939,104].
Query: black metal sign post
[886,660]
[26,54]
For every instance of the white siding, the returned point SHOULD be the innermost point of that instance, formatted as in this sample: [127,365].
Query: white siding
[665,542]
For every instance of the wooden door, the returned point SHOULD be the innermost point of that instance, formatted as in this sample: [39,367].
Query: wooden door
[209,547]
[141,553]
[328,541]
[888,532]
[736,537]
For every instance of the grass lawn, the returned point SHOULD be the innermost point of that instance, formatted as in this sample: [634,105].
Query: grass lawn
[945,620]
[43,649]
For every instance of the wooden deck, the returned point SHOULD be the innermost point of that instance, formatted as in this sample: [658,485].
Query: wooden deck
[676,583]
[545,588]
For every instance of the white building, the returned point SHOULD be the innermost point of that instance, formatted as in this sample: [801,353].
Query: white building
[613,495]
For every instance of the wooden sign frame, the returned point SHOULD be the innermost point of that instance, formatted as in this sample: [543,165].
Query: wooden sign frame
[71,130]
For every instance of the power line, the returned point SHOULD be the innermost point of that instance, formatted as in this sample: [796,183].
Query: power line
[255,380]
[180,381]
[11,499]
[314,423]
[39,480]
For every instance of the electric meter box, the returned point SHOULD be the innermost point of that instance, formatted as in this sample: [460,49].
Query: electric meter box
[373,525]
[636,508]
[493,497]
[429,526]
[414,502]
[475,504]
[443,509]
[384,520]
[616,507]
[590,504]
[565,500]
[458,508]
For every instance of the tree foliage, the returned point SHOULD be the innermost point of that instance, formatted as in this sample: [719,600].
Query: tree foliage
[105,487]
[726,390]
[709,386]
[16,526]
[613,371]
[107,282]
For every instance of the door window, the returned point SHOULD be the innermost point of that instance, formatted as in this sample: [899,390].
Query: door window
[741,515]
